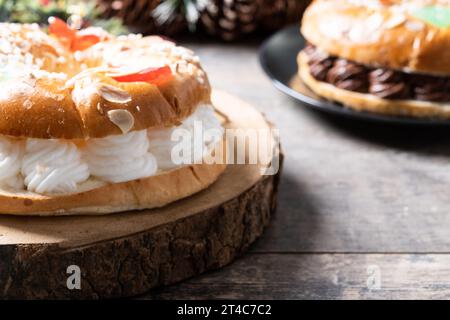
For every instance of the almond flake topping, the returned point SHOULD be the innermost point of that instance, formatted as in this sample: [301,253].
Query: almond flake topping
[395,21]
[122,119]
[415,26]
[113,94]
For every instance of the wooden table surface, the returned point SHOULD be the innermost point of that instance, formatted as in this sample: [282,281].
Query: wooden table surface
[364,210]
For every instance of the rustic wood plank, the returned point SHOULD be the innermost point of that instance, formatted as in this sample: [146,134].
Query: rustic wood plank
[347,186]
[321,276]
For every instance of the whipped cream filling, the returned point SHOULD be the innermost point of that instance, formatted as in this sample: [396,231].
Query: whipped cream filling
[202,125]
[10,163]
[121,158]
[53,166]
[56,166]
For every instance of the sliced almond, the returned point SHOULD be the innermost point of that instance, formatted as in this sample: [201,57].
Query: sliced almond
[113,94]
[121,118]
[374,22]
[414,26]
[100,109]
[27,104]
[395,21]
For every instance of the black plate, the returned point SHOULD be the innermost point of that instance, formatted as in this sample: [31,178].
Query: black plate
[278,56]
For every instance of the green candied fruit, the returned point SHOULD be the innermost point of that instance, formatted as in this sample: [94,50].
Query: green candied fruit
[435,15]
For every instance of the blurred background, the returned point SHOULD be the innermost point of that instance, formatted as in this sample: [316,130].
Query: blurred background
[225,20]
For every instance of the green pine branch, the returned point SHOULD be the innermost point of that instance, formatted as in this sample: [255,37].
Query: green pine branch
[33,11]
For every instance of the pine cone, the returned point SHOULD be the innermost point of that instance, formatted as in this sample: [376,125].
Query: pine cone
[138,16]
[230,19]
[276,14]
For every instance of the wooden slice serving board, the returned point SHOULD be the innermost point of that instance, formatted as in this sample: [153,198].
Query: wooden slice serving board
[128,253]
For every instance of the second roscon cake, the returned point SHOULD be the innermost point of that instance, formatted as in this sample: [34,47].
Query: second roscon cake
[383,56]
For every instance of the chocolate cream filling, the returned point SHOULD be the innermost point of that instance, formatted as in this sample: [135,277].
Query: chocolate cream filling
[381,82]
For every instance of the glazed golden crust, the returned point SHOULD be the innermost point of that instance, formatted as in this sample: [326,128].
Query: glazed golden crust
[55,96]
[371,103]
[147,193]
[379,33]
